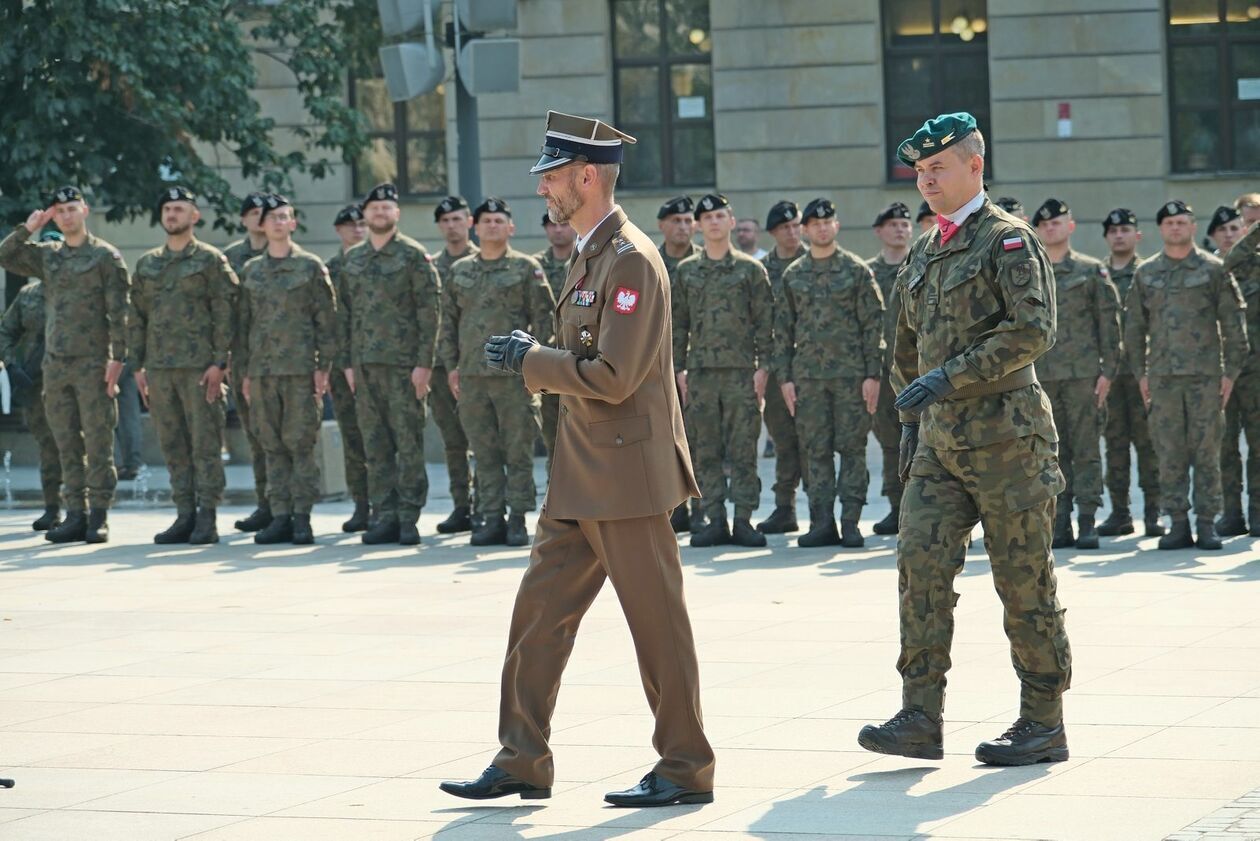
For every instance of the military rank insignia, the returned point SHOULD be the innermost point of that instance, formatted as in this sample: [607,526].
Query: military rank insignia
[583,297]
[585,337]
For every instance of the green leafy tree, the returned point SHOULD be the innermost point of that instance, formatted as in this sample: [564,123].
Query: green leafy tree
[123,97]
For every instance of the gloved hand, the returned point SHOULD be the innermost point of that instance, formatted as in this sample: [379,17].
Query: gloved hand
[909,443]
[507,353]
[924,391]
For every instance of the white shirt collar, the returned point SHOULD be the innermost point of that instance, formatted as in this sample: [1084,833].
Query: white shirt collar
[960,215]
[586,237]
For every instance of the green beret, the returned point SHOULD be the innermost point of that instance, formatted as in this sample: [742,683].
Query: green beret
[935,135]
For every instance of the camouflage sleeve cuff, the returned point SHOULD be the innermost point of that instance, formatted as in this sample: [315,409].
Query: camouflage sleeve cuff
[958,372]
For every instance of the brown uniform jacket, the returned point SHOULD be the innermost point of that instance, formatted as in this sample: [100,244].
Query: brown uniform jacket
[620,451]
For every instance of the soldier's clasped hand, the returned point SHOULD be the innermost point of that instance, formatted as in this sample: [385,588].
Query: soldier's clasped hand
[507,353]
[924,391]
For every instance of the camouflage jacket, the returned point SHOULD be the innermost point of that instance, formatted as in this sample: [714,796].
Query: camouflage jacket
[1243,262]
[671,263]
[557,270]
[776,266]
[443,260]
[183,308]
[1122,279]
[1088,339]
[85,291]
[334,265]
[392,304]
[492,297]
[723,313]
[829,320]
[886,278]
[981,307]
[238,254]
[1185,318]
[288,315]
[22,327]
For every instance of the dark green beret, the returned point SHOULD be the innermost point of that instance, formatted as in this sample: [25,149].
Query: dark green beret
[252,201]
[171,194]
[1050,209]
[935,135]
[382,192]
[1176,207]
[819,208]
[349,213]
[896,210]
[1119,216]
[272,201]
[924,210]
[1221,216]
[782,211]
[713,201]
[678,204]
[1011,205]
[492,204]
[67,194]
[450,204]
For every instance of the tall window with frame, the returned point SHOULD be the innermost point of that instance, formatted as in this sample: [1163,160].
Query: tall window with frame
[408,140]
[663,87]
[936,61]
[1214,84]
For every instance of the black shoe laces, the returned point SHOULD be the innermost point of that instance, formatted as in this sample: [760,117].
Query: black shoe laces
[900,718]
[1021,727]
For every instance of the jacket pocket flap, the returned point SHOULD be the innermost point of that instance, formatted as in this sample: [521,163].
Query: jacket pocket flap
[620,431]
[960,277]
[1039,487]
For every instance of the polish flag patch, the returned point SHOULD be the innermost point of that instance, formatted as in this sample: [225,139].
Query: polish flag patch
[1012,243]
[626,300]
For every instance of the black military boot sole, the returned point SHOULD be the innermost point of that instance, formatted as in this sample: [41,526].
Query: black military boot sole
[179,532]
[850,536]
[782,520]
[382,531]
[493,533]
[279,530]
[50,519]
[1231,525]
[1116,525]
[890,524]
[1206,536]
[884,739]
[256,521]
[408,534]
[988,757]
[460,520]
[359,520]
[824,534]
[1178,537]
[716,533]
[743,534]
[73,530]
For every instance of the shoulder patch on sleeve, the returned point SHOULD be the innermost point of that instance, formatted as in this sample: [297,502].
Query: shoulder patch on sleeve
[626,300]
[1012,243]
[1021,273]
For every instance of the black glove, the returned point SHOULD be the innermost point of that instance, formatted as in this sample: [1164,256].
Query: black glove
[506,353]
[924,391]
[909,443]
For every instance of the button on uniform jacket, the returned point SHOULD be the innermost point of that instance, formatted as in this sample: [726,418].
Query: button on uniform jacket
[621,451]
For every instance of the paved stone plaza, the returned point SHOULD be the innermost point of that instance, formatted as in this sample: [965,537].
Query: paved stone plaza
[243,693]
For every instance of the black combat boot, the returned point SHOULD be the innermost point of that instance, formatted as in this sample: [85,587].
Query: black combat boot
[1178,536]
[698,520]
[97,526]
[1207,538]
[384,528]
[1026,742]
[850,535]
[1253,515]
[51,518]
[71,531]
[302,533]
[716,533]
[359,519]
[459,520]
[680,519]
[1231,524]
[782,520]
[1087,538]
[206,528]
[493,532]
[1118,522]
[408,532]
[911,733]
[889,524]
[1063,536]
[517,534]
[743,534]
[822,528]
[179,531]
[279,530]
[258,520]
[1154,528]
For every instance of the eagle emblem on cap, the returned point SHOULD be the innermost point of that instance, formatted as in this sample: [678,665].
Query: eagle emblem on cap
[492,206]
[910,152]
[1171,207]
[707,203]
[1115,218]
[173,193]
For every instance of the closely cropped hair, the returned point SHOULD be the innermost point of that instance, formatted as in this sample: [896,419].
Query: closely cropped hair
[972,144]
[608,174]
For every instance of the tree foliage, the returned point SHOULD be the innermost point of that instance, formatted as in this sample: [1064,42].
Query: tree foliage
[122,97]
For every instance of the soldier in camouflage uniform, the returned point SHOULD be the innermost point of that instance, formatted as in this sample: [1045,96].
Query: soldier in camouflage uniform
[555,264]
[351,230]
[828,353]
[85,335]
[892,227]
[239,253]
[288,313]
[1012,206]
[1242,412]
[1186,337]
[392,302]
[723,324]
[925,219]
[489,292]
[22,355]
[453,217]
[183,311]
[1126,411]
[977,308]
[1078,371]
[783,223]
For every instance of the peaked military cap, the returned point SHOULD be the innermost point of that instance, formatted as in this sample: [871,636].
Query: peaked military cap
[896,210]
[272,201]
[349,213]
[924,210]
[935,135]
[492,204]
[678,204]
[177,193]
[381,192]
[1223,215]
[780,212]
[570,138]
[1176,207]
[1050,209]
[712,201]
[819,208]
[67,194]
[1011,205]
[450,204]
[252,201]
[1119,216]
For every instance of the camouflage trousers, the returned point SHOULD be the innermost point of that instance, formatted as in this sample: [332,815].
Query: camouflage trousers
[392,420]
[502,422]
[1242,416]
[257,456]
[1010,487]
[1078,420]
[82,418]
[351,436]
[550,420]
[886,424]
[722,407]
[49,457]
[1187,423]
[286,417]
[454,441]
[787,448]
[1127,426]
[190,432]
[831,418]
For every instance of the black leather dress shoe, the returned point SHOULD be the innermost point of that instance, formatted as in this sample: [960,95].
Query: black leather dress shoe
[911,733]
[495,782]
[1026,742]
[655,790]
